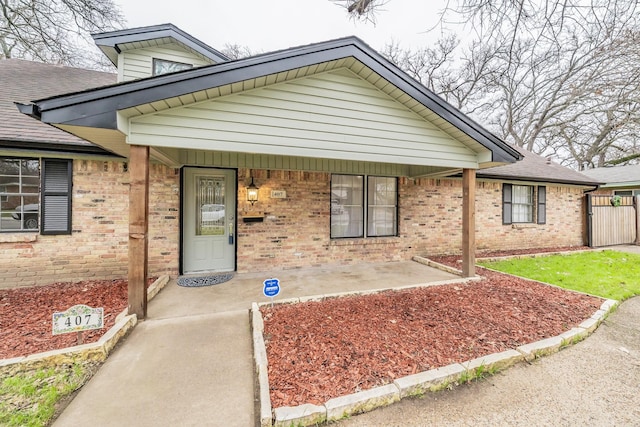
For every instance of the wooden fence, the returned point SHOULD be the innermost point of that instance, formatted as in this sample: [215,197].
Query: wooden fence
[612,220]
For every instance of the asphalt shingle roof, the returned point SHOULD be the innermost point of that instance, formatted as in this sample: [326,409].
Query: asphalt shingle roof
[538,169]
[23,81]
[615,174]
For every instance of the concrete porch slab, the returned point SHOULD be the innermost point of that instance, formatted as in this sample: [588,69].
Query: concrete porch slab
[245,288]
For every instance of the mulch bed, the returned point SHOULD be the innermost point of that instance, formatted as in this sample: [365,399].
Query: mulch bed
[26,314]
[455,260]
[321,350]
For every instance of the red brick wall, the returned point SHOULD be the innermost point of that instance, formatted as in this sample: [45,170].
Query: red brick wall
[564,224]
[295,231]
[294,234]
[97,247]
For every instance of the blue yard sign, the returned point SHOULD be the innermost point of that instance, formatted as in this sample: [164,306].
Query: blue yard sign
[271,288]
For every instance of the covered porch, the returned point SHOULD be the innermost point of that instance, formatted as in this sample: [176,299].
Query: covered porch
[245,288]
[335,107]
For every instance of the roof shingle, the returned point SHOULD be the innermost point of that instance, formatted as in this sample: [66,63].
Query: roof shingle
[24,81]
[538,169]
[615,175]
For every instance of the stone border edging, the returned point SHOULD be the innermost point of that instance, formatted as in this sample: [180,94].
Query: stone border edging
[412,385]
[97,351]
[439,266]
[537,255]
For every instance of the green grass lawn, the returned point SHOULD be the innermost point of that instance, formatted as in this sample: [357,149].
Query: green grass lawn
[29,399]
[608,274]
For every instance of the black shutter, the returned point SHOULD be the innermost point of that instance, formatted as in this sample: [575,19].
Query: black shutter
[506,204]
[542,204]
[56,196]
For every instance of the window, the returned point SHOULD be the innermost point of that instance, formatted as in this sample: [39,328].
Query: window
[349,205]
[35,195]
[382,200]
[627,192]
[521,202]
[163,66]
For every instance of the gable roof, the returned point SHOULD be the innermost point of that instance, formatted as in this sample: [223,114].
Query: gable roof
[23,80]
[113,42]
[616,176]
[536,168]
[104,103]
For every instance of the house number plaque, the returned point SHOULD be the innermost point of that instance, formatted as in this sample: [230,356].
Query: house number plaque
[77,319]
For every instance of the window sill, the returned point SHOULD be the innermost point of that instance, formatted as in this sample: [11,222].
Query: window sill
[522,226]
[18,238]
[362,241]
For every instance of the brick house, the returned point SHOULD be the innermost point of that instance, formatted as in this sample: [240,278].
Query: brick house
[320,154]
[80,231]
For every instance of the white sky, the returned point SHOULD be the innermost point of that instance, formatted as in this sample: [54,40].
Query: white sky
[267,25]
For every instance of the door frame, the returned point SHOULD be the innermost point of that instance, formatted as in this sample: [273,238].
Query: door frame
[182,203]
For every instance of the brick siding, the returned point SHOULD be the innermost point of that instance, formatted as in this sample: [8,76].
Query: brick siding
[294,234]
[295,231]
[98,245]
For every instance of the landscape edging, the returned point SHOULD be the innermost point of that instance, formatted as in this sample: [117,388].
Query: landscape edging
[97,351]
[408,386]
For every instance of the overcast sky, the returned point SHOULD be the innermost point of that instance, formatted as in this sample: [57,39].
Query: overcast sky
[266,25]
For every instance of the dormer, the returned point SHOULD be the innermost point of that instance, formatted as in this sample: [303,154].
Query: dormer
[150,51]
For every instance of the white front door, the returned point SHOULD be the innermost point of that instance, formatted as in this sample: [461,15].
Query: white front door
[208,226]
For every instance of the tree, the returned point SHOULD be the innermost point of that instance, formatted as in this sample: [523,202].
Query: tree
[364,10]
[236,51]
[557,78]
[54,31]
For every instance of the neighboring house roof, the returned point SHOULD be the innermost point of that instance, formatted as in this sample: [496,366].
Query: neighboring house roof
[616,176]
[536,168]
[70,110]
[113,42]
[24,80]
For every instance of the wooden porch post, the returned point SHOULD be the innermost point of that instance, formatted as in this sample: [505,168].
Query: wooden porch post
[138,229]
[469,222]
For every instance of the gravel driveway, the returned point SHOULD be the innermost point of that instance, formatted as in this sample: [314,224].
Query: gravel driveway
[593,383]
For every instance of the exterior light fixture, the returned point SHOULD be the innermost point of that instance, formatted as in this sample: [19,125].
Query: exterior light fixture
[252,193]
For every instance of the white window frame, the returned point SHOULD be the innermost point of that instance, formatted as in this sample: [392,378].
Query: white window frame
[534,206]
[522,204]
[363,204]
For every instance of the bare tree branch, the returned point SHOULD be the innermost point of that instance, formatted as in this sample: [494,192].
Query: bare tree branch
[362,10]
[555,76]
[55,31]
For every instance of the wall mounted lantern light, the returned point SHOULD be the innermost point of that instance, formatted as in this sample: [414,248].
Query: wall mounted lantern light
[252,193]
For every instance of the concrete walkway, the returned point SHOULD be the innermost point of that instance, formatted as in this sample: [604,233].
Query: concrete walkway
[190,363]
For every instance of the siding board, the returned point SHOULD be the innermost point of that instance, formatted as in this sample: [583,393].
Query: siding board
[315,131]
[138,62]
[335,115]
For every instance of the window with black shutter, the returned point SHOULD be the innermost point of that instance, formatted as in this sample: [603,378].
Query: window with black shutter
[542,205]
[56,196]
[521,202]
[506,204]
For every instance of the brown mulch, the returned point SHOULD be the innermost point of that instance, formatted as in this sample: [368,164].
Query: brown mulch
[491,254]
[321,350]
[26,314]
